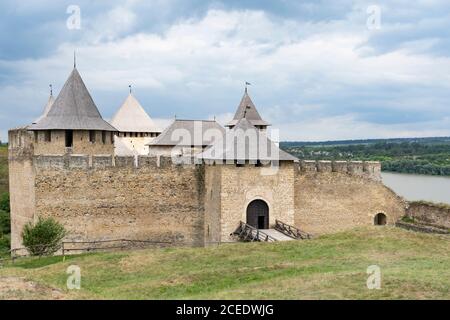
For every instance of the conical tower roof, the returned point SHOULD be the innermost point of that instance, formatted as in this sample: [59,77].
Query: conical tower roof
[245,142]
[47,108]
[73,109]
[197,133]
[131,117]
[247,110]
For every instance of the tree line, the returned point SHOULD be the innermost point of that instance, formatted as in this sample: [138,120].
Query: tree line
[420,156]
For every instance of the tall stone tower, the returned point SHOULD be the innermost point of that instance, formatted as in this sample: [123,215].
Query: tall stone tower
[70,125]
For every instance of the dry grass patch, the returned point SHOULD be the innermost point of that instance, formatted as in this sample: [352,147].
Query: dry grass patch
[334,266]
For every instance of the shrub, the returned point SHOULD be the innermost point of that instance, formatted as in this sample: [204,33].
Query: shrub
[5,222]
[4,202]
[43,238]
[5,244]
[407,219]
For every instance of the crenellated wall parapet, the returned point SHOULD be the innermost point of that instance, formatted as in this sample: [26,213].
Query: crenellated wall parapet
[366,169]
[102,162]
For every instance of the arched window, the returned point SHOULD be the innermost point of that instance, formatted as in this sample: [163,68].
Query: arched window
[379,219]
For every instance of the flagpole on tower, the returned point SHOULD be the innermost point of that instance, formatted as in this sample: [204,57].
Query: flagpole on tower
[246,85]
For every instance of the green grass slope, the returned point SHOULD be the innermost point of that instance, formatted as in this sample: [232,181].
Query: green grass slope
[413,265]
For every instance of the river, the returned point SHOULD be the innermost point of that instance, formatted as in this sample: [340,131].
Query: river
[419,187]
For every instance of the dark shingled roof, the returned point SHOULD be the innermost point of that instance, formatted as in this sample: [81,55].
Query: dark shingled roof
[189,133]
[73,109]
[247,110]
[246,142]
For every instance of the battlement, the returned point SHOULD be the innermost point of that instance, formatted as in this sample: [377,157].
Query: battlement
[367,169]
[86,162]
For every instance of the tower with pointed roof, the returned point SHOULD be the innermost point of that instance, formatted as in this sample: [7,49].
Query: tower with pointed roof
[72,124]
[247,110]
[135,128]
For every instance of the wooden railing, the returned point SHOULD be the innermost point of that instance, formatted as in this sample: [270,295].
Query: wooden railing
[291,231]
[246,232]
[77,247]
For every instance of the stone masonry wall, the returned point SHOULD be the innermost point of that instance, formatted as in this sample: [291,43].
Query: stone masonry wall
[21,182]
[114,199]
[366,169]
[100,197]
[213,181]
[241,185]
[330,201]
[81,143]
[130,146]
[430,213]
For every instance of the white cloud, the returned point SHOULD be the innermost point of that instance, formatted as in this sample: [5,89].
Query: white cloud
[347,127]
[230,43]
[303,60]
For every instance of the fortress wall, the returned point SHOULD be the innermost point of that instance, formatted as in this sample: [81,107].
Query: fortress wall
[104,198]
[327,202]
[308,165]
[430,213]
[124,162]
[213,203]
[55,146]
[372,170]
[129,146]
[324,166]
[81,143]
[367,169]
[241,185]
[21,182]
[339,166]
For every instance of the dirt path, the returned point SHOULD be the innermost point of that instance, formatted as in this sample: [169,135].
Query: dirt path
[14,288]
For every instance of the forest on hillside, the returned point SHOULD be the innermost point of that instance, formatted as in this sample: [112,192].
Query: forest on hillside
[411,155]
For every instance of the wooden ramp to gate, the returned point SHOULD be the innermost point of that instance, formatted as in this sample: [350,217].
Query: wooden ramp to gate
[291,231]
[282,232]
[246,232]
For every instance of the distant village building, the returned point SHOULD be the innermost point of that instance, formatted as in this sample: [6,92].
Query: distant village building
[135,128]
[100,182]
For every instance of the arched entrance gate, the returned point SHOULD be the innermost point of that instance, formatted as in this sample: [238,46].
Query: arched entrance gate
[258,214]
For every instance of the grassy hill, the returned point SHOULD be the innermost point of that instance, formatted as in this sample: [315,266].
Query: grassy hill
[413,265]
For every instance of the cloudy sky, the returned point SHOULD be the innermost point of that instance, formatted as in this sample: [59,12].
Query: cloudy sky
[320,70]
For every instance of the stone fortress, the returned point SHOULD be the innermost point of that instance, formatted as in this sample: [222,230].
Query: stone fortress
[193,183]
